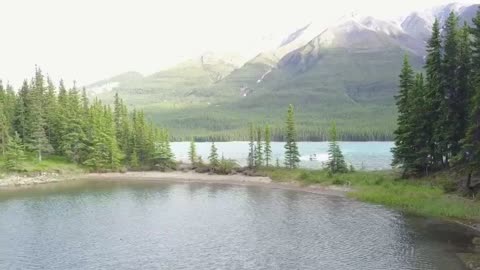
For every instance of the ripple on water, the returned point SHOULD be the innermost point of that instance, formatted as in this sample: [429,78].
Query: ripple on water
[195,226]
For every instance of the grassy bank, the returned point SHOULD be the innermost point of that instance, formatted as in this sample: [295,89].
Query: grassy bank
[51,164]
[427,197]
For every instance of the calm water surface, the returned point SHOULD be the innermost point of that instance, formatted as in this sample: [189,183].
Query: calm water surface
[144,225]
[363,155]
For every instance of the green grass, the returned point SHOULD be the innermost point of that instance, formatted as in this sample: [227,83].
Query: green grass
[426,197]
[51,164]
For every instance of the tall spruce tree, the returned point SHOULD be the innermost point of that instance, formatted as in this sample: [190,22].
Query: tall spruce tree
[465,93]
[435,96]
[268,146]
[471,143]
[192,153]
[213,157]
[402,152]
[259,150]
[163,156]
[251,145]
[15,154]
[336,162]
[4,130]
[453,121]
[292,156]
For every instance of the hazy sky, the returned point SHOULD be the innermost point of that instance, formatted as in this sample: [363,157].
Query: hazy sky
[88,40]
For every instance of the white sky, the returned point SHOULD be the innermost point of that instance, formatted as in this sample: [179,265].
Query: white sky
[89,40]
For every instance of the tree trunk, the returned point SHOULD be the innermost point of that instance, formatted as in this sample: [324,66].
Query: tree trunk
[39,155]
[469,182]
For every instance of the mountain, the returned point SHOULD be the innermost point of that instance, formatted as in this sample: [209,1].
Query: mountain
[108,85]
[346,71]
[176,83]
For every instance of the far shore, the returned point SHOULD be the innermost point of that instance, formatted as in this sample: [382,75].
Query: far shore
[172,177]
[205,178]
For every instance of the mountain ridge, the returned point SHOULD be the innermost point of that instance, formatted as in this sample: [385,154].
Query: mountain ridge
[346,71]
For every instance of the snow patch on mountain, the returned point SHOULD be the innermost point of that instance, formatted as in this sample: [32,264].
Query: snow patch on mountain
[264,75]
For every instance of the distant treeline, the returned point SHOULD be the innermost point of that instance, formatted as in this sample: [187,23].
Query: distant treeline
[42,120]
[278,134]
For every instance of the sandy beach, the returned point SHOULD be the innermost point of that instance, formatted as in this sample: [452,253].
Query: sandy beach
[10,181]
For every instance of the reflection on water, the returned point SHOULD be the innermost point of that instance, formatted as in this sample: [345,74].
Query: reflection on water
[144,225]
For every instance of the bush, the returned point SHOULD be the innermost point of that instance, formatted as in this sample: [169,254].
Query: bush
[448,186]
[339,182]
[225,166]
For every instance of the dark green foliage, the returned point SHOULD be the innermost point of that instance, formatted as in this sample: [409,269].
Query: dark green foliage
[402,150]
[251,151]
[439,116]
[455,97]
[471,146]
[259,150]
[419,157]
[292,156]
[435,94]
[192,153]
[4,130]
[268,147]
[37,120]
[15,154]
[163,158]
[226,166]
[336,162]
[213,157]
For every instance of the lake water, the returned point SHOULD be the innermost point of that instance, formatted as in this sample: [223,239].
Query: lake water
[362,155]
[145,225]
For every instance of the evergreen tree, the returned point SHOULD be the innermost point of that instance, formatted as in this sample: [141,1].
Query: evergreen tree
[251,152]
[259,150]
[75,140]
[192,153]
[465,92]
[37,139]
[9,103]
[453,127]
[15,154]
[20,119]
[4,130]
[292,156]
[471,145]
[213,157]
[51,116]
[88,134]
[336,161]
[435,97]
[268,147]
[418,136]
[402,152]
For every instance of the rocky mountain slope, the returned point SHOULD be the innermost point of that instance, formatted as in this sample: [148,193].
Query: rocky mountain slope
[346,70]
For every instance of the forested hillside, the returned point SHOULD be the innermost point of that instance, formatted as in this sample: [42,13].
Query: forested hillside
[344,71]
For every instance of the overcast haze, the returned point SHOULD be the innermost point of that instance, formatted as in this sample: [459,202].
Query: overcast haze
[90,40]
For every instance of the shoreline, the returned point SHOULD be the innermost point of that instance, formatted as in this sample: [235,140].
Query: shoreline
[20,181]
[181,177]
[202,178]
